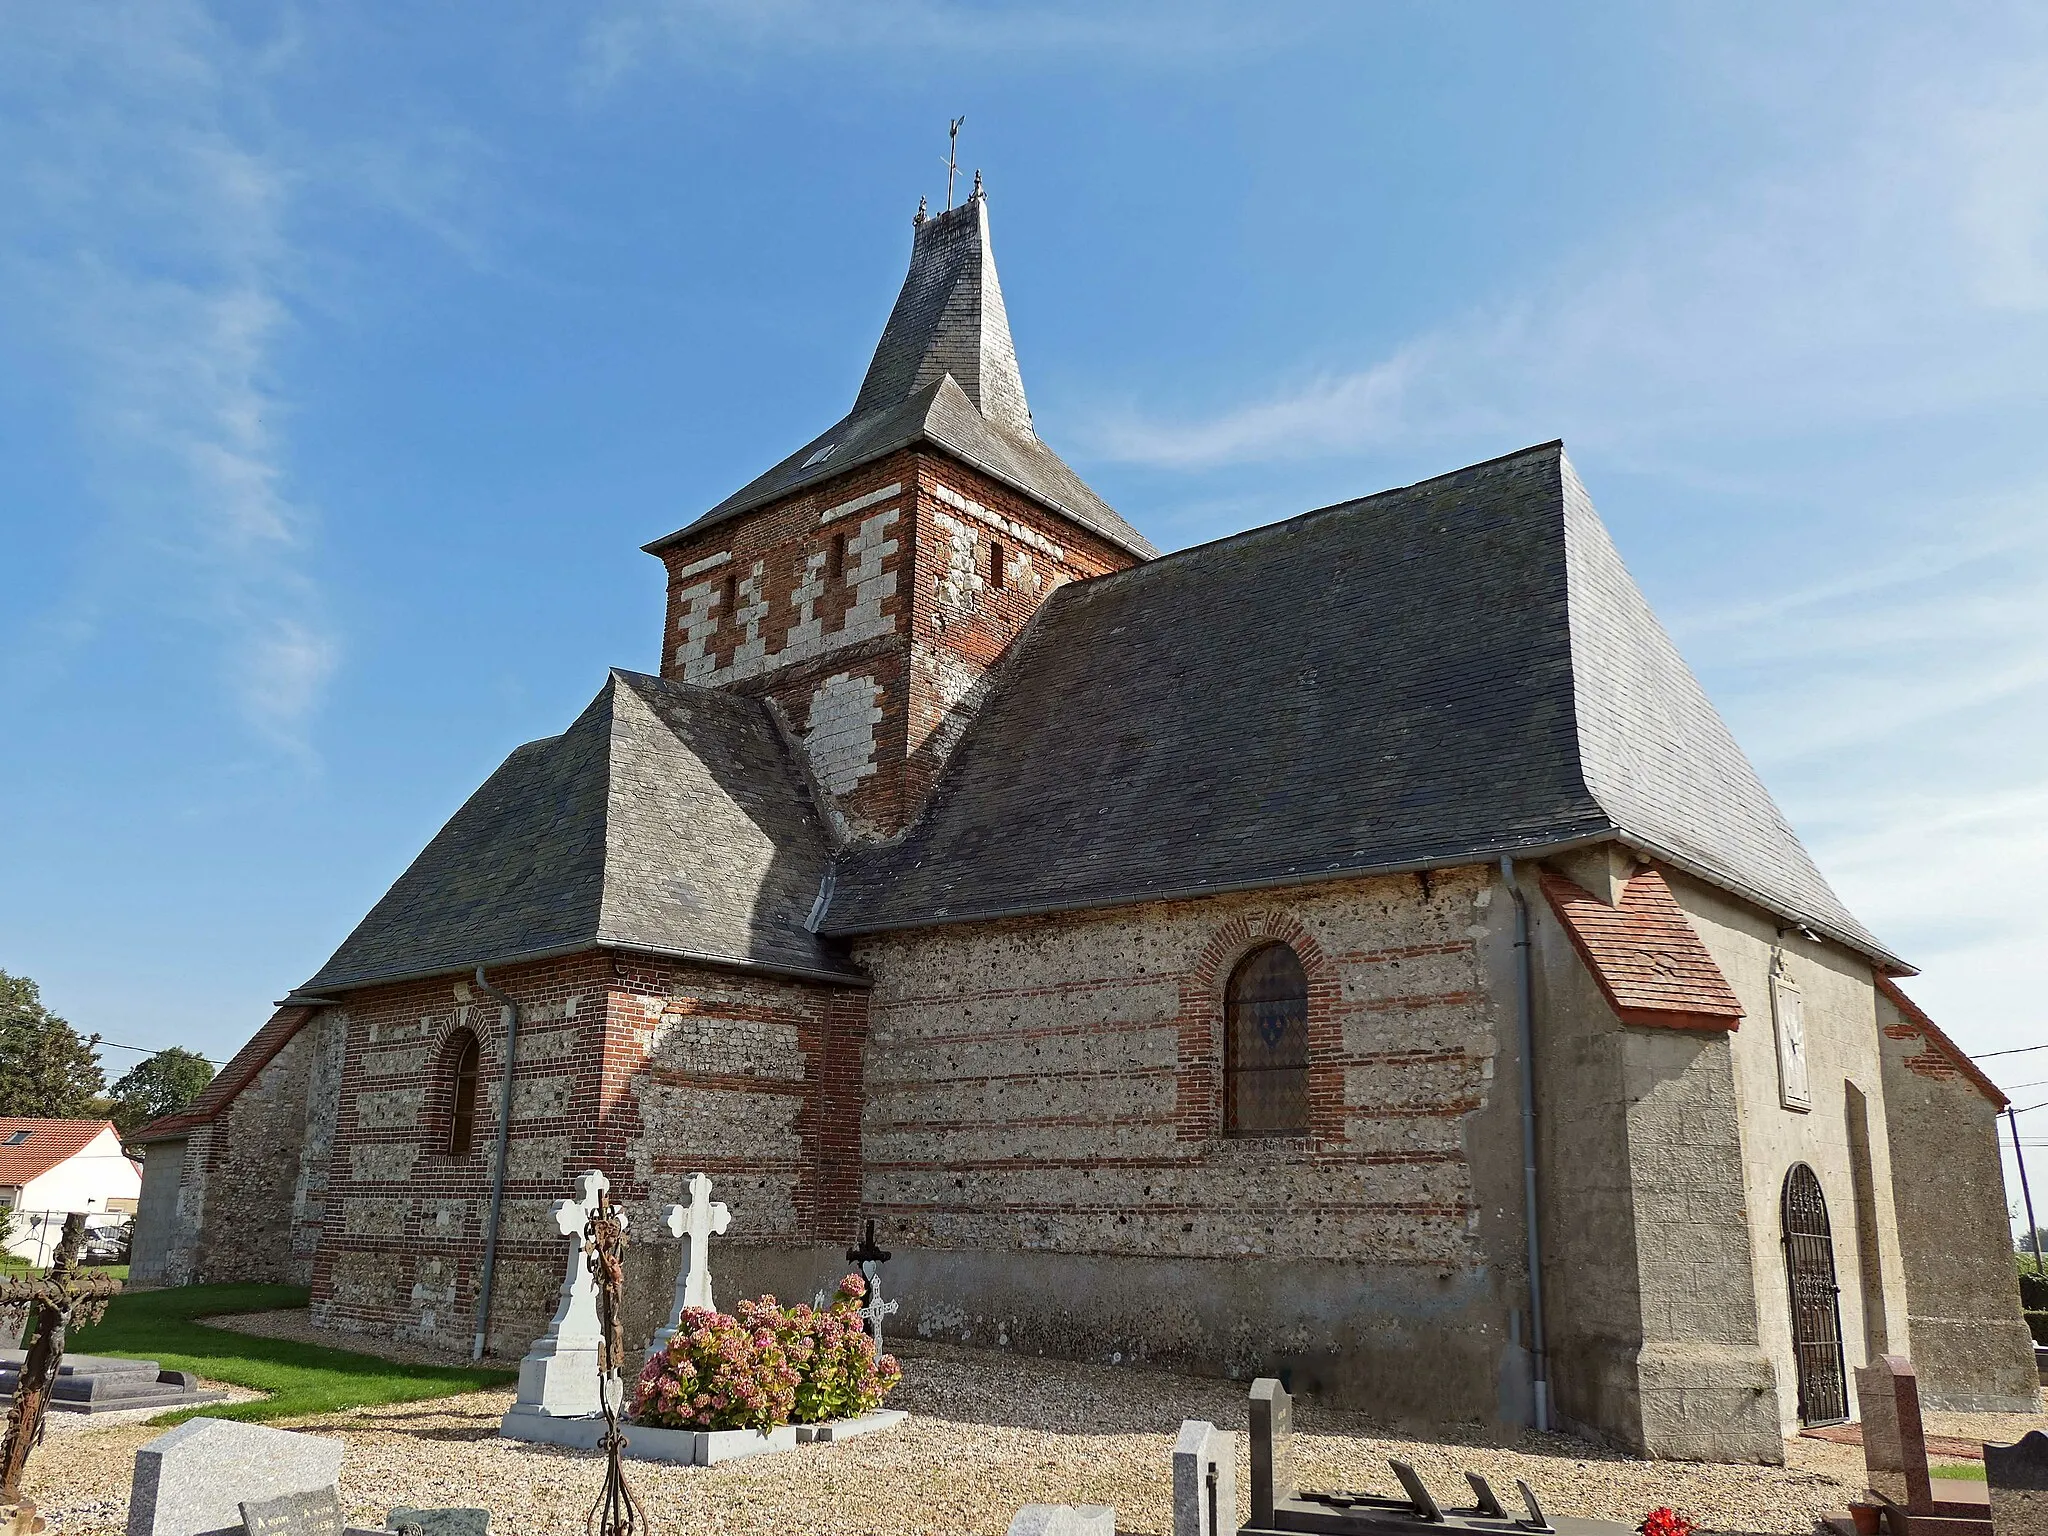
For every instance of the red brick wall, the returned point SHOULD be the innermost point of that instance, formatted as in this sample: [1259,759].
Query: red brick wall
[1056,1083]
[648,1072]
[875,669]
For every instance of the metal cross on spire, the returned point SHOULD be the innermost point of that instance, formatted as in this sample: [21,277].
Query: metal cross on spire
[953,156]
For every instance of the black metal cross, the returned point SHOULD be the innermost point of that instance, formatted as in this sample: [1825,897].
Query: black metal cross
[617,1512]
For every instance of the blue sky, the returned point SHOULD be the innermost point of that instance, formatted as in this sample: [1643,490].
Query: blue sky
[348,355]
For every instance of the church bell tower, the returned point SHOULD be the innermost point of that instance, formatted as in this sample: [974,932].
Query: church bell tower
[867,583]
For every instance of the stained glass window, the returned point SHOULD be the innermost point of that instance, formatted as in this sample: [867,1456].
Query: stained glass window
[1266,1045]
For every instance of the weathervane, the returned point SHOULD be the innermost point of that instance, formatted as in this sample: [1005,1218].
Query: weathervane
[952,157]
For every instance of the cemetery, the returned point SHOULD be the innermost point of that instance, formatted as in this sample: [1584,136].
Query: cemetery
[768,1418]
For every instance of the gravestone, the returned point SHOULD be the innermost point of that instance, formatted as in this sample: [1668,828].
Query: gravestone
[695,1224]
[294,1514]
[439,1522]
[1064,1520]
[2018,1478]
[1272,1448]
[1894,1440]
[1895,1459]
[1204,1480]
[558,1378]
[97,1384]
[194,1479]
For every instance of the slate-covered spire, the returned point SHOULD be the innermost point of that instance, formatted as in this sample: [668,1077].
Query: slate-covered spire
[949,318]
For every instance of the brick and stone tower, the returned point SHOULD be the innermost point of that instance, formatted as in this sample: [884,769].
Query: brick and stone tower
[867,583]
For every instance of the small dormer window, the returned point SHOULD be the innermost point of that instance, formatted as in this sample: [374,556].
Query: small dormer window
[16,1138]
[819,457]
[996,561]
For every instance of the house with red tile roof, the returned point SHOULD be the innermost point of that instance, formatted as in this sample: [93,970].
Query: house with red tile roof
[49,1168]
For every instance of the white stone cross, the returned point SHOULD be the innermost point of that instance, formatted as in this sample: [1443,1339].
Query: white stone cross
[695,1225]
[558,1377]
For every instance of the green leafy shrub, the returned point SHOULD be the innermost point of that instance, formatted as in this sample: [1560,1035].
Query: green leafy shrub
[2033,1291]
[766,1366]
[2037,1324]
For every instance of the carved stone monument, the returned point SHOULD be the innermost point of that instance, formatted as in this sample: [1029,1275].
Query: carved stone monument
[695,1224]
[558,1378]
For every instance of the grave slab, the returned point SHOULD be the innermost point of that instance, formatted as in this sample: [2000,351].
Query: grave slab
[100,1384]
[1895,1458]
[192,1481]
[1064,1520]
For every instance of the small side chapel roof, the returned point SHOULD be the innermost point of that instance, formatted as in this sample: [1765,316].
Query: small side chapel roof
[944,372]
[667,820]
[1645,955]
[1440,674]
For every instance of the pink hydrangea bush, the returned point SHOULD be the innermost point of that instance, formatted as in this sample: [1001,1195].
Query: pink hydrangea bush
[767,1366]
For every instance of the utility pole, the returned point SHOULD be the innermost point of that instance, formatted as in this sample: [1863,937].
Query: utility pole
[2033,1232]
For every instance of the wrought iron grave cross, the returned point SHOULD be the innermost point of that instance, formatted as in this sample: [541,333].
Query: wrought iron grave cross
[55,1302]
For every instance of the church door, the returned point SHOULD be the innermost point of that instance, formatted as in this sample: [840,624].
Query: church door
[1816,1315]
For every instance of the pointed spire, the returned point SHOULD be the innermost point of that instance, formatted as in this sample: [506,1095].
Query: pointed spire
[949,318]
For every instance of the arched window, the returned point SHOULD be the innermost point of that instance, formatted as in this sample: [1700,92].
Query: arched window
[1265,1053]
[462,1109]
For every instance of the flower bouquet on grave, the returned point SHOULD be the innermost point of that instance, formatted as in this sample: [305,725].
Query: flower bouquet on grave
[843,1377]
[720,1371]
[766,1366]
[1665,1522]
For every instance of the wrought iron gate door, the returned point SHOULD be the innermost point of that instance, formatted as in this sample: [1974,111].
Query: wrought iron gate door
[1816,1310]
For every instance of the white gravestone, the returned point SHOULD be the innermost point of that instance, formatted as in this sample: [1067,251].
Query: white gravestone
[695,1224]
[558,1377]
[1204,1480]
[195,1479]
[1064,1520]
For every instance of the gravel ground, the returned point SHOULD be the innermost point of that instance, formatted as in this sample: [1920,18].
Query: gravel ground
[989,1433]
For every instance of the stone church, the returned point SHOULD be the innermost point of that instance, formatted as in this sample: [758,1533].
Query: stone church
[1353,949]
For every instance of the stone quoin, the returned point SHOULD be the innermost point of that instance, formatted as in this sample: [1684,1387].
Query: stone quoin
[1138,940]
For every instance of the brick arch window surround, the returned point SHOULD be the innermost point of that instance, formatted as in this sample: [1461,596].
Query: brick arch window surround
[1265,1045]
[461,1056]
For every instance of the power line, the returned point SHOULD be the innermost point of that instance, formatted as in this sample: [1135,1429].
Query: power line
[2015,1051]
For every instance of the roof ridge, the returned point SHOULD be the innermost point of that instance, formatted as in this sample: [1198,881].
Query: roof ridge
[1355,503]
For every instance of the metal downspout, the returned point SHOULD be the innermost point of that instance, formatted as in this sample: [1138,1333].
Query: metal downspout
[508,1014]
[1525,1019]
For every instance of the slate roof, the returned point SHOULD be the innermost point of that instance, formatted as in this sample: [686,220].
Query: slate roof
[49,1143]
[945,373]
[1434,675]
[1645,955]
[668,819]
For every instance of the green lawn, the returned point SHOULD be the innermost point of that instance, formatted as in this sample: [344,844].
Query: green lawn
[167,1326]
[1965,1472]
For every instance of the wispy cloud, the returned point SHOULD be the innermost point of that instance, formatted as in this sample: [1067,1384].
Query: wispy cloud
[149,259]
[1900,273]
[628,35]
